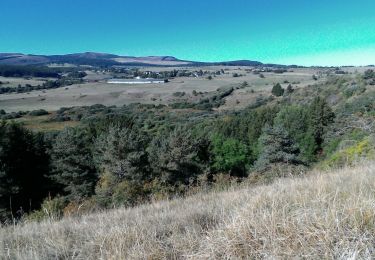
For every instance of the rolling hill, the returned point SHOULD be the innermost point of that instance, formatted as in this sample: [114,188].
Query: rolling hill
[104,59]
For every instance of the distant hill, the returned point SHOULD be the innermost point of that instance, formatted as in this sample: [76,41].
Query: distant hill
[21,59]
[104,59]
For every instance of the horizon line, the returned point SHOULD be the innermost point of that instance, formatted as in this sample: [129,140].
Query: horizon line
[188,60]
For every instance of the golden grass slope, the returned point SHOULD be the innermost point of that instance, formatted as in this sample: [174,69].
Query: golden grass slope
[323,215]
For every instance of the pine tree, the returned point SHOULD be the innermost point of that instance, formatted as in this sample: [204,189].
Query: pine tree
[277,90]
[321,115]
[23,166]
[73,165]
[177,157]
[295,120]
[121,152]
[276,146]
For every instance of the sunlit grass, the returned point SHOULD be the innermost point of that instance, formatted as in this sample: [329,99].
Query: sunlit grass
[323,215]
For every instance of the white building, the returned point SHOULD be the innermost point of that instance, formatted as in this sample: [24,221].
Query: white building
[135,81]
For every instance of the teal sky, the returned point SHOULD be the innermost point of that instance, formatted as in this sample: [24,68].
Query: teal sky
[304,32]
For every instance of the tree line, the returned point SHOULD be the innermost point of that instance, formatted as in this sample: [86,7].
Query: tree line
[28,71]
[71,78]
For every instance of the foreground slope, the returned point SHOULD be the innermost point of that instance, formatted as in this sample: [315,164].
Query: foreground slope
[326,214]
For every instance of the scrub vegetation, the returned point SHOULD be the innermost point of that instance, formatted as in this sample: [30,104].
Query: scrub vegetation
[195,177]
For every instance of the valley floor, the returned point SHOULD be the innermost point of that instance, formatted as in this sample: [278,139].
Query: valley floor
[322,215]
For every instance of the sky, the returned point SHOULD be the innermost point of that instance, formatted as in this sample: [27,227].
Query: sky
[303,32]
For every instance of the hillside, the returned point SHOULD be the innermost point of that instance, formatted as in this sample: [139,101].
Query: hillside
[187,130]
[323,215]
[202,129]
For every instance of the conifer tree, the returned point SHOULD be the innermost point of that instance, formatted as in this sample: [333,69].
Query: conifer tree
[73,165]
[276,146]
[277,90]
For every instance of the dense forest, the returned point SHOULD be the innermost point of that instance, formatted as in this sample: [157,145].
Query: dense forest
[124,156]
[28,71]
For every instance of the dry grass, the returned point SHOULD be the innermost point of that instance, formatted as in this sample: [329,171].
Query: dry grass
[42,123]
[14,82]
[324,215]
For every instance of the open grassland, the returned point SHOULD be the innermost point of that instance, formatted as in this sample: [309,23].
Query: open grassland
[44,124]
[14,82]
[323,215]
[123,94]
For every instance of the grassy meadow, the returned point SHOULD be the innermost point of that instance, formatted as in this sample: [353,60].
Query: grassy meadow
[43,123]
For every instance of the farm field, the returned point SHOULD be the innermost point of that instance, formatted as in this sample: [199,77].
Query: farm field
[14,82]
[100,92]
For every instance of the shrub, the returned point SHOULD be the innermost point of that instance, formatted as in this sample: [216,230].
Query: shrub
[52,209]
[369,74]
[364,149]
[128,193]
[244,84]
[39,112]
[354,90]
[289,89]
[179,94]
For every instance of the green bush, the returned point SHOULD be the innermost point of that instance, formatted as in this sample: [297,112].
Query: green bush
[351,153]
[354,90]
[50,209]
[40,112]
